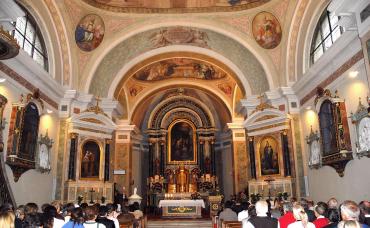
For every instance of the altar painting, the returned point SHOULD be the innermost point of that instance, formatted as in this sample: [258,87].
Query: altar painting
[90,160]
[182,144]
[268,156]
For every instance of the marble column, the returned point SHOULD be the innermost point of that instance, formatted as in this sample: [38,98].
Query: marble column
[252,157]
[72,156]
[240,157]
[286,154]
[107,160]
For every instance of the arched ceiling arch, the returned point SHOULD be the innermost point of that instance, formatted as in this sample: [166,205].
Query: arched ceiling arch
[215,108]
[173,6]
[110,65]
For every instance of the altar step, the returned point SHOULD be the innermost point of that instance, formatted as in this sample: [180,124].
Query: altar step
[179,223]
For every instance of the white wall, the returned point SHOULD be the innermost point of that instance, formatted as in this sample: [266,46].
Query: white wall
[324,183]
[32,186]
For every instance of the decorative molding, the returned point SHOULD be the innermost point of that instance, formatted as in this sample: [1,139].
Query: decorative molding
[212,9]
[18,78]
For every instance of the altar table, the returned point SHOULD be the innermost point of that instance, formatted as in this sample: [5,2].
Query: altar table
[182,208]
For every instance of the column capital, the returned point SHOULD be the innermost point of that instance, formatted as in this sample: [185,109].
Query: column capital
[73,135]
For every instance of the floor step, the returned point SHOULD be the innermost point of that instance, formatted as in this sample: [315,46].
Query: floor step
[177,223]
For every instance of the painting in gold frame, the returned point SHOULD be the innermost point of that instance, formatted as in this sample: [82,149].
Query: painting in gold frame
[91,157]
[269,156]
[182,147]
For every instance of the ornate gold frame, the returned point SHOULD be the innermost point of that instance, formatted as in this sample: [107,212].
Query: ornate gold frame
[101,164]
[279,153]
[169,161]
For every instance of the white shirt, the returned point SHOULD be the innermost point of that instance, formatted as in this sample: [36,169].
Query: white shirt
[247,224]
[242,215]
[91,224]
[298,224]
[116,223]
[58,223]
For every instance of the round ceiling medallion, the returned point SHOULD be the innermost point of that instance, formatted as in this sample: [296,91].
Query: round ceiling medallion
[89,32]
[266,30]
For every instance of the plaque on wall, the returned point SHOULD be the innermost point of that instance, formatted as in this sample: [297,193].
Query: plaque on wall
[313,141]
[361,119]
[43,153]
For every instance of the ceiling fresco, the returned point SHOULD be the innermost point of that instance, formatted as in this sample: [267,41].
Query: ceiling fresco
[179,68]
[175,6]
[140,43]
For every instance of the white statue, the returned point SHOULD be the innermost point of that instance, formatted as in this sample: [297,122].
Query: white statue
[315,153]
[364,135]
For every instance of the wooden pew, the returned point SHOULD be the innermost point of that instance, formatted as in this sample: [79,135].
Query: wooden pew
[231,224]
[126,225]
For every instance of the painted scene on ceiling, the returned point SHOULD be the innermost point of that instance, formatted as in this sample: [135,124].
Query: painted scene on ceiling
[266,30]
[179,68]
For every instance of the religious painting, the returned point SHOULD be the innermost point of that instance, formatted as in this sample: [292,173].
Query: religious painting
[269,159]
[182,146]
[266,30]
[179,68]
[328,132]
[364,134]
[90,160]
[226,88]
[29,133]
[89,32]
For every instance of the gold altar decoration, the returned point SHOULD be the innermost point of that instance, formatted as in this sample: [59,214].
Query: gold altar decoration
[9,47]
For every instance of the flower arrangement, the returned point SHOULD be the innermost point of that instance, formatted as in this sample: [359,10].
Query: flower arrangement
[195,196]
[282,196]
[255,197]
[79,199]
[102,199]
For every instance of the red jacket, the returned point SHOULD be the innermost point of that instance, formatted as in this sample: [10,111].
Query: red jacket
[286,219]
[321,222]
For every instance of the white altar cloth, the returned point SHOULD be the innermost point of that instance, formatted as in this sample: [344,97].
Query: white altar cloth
[184,203]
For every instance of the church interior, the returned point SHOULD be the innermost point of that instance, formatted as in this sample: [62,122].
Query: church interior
[159,101]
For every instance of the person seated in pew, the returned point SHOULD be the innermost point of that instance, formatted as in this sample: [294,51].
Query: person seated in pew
[227,214]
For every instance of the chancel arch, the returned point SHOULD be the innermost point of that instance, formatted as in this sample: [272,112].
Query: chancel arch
[258,73]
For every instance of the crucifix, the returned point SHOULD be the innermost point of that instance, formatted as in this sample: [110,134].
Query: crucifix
[260,97]
[91,196]
[98,99]
[269,180]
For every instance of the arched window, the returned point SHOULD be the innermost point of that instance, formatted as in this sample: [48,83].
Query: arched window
[326,33]
[29,38]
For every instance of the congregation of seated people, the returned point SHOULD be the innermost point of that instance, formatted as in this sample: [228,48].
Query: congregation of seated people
[294,214]
[56,215]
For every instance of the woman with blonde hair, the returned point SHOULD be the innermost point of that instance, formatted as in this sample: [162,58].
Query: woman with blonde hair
[349,224]
[7,219]
[301,218]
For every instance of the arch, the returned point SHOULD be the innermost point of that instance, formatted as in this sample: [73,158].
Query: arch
[122,74]
[309,22]
[180,101]
[268,69]
[180,83]
[185,114]
[22,34]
